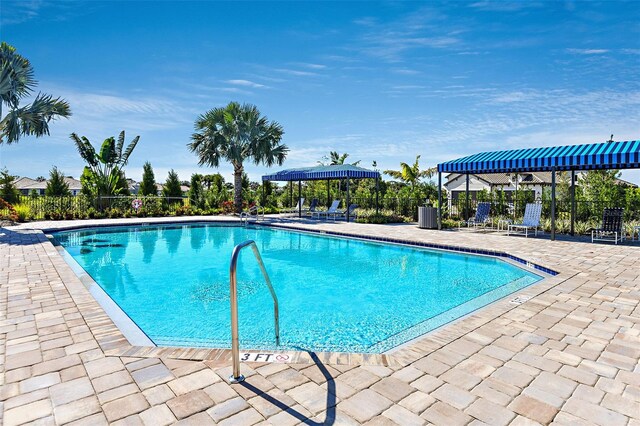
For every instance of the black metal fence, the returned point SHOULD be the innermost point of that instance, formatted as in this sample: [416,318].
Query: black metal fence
[81,207]
[42,207]
[585,210]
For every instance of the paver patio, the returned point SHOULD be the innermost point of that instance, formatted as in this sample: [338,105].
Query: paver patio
[568,355]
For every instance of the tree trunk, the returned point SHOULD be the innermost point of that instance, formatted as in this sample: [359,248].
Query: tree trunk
[237,188]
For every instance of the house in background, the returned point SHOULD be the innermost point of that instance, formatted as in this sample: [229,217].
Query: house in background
[26,185]
[532,182]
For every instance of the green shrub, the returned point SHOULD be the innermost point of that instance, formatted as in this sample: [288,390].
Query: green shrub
[24,212]
[384,216]
[450,223]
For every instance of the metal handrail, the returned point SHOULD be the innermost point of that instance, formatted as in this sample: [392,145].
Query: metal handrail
[245,216]
[233,289]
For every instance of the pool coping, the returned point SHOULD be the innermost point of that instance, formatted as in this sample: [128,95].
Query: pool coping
[114,342]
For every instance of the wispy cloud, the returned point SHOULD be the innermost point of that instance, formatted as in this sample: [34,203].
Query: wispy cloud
[246,83]
[98,112]
[505,6]
[367,21]
[405,71]
[588,51]
[20,11]
[310,65]
[297,73]
[426,28]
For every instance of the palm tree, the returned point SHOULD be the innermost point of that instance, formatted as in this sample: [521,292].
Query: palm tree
[235,134]
[335,159]
[16,82]
[105,169]
[411,174]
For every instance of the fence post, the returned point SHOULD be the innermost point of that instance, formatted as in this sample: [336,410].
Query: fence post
[553,204]
[466,213]
[573,201]
[439,200]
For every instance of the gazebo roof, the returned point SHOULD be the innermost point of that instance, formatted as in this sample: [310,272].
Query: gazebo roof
[606,155]
[338,171]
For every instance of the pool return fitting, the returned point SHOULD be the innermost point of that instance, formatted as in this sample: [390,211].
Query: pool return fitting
[236,377]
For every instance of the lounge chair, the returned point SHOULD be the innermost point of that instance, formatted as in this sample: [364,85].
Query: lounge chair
[481,218]
[295,209]
[612,229]
[332,210]
[531,220]
[343,213]
[312,207]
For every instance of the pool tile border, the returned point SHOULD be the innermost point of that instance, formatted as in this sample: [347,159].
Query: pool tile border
[113,342]
[493,253]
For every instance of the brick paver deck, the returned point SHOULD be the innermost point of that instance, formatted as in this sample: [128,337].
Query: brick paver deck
[568,355]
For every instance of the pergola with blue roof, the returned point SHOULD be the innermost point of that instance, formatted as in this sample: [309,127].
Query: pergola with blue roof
[598,156]
[328,173]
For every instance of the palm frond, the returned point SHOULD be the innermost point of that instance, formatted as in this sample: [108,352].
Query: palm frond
[17,74]
[393,173]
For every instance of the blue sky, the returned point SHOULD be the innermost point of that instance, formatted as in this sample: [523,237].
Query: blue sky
[383,81]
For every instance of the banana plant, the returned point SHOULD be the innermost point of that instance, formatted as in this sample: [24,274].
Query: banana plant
[104,168]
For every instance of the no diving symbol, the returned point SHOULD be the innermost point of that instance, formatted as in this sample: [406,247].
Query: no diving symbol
[282,358]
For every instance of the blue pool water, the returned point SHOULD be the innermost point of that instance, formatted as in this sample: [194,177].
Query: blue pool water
[335,294]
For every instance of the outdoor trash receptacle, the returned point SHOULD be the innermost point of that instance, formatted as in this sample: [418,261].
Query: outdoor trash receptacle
[427,217]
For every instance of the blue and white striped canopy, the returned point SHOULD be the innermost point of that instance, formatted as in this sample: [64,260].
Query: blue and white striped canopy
[339,171]
[607,155]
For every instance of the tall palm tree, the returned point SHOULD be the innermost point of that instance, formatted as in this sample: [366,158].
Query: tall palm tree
[16,82]
[105,167]
[237,133]
[411,174]
[335,158]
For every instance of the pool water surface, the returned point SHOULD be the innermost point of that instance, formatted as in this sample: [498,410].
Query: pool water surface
[335,294]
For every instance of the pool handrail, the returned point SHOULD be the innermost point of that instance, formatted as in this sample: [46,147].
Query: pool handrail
[233,289]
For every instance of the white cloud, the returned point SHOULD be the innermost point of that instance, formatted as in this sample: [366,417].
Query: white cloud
[425,28]
[505,6]
[310,65]
[297,73]
[588,51]
[246,83]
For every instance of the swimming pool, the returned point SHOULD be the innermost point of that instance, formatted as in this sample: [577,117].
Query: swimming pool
[335,294]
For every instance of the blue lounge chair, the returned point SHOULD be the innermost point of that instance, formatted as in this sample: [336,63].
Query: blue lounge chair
[312,207]
[531,220]
[481,218]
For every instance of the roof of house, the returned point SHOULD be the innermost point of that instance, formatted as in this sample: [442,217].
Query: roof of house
[28,183]
[534,178]
[25,183]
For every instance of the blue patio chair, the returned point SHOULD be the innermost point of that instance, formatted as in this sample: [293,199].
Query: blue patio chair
[531,220]
[312,207]
[481,218]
